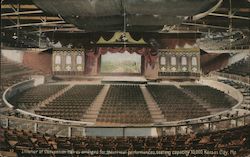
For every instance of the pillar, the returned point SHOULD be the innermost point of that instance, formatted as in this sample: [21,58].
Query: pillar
[69,131]
[7,122]
[35,127]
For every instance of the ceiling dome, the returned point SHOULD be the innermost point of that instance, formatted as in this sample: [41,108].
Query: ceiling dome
[140,15]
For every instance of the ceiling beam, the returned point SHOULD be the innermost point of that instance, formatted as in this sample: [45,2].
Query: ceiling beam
[59,25]
[60,30]
[243,10]
[22,6]
[39,18]
[22,13]
[230,16]
[34,24]
[204,25]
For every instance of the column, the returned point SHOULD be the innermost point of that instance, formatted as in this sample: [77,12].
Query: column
[7,122]
[69,131]
[35,127]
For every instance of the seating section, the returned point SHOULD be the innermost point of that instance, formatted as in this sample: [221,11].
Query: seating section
[216,98]
[175,104]
[9,67]
[12,73]
[33,96]
[242,43]
[237,140]
[124,104]
[241,68]
[7,82]
[243,88]
[239,41]
[72,104]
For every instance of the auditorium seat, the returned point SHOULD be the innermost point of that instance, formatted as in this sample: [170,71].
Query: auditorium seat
[236,139]
[175,104]
[241,68]
[214,97]
[12,73]
[72,104]
[243,88]
[124,104]
[33,96]
[13,68]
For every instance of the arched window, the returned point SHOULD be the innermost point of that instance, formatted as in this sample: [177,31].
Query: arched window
[57,59]
[163,60]
[68,59]
[79,59]
[173,60]
[183,60]
[194,60]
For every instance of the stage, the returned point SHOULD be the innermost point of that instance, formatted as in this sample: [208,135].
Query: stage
[124,79]
[104,79]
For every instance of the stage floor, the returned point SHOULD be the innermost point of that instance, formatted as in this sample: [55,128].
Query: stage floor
[124,78]
[104,79]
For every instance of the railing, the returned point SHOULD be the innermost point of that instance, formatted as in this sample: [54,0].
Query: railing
[71,130]
[14,89]
[37,123]
[28,84]
[21,86]
[241,47]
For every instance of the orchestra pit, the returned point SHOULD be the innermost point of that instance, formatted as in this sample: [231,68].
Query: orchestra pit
[117,78]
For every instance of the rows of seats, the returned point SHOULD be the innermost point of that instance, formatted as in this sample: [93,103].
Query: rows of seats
[241,68]
[10,67]
[215,98]
[243,88]
[241,43]
[124,104]
[237,140]
[175,104]
[33,96]
[225,43]
[12,73]
[72,104]
[7,82]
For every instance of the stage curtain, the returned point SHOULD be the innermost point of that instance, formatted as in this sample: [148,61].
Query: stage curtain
[149,54]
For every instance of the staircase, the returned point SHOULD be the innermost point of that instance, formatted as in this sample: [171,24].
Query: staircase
[153,108]
[51,98]
[91,114]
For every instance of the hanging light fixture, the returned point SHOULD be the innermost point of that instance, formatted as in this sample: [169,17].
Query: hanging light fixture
[15,36]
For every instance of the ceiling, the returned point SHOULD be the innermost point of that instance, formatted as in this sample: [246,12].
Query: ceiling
[158,16]
[129,15]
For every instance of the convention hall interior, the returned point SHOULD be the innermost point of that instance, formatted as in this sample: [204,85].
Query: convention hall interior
[118,78]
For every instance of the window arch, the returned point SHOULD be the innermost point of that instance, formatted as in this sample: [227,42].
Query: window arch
[57,59]
[183,60]
[79,59]
[173,60]
[163,60]
[194,60]
[68,59]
